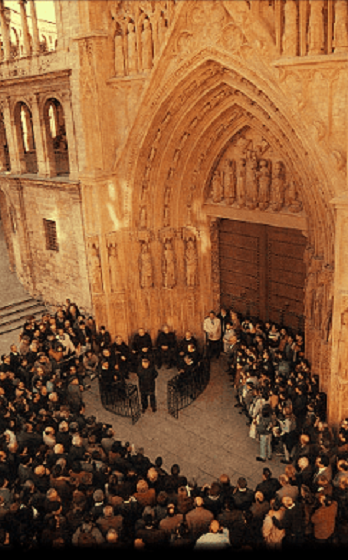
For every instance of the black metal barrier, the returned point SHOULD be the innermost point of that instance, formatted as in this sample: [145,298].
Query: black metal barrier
[182,390]
[121,399]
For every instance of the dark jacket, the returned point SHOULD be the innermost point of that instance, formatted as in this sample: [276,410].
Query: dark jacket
[147,378]
[140,342]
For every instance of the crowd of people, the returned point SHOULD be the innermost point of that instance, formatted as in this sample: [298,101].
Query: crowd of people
[67,481]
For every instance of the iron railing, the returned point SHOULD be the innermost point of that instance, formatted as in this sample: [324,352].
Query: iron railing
[121,399]
[182,390]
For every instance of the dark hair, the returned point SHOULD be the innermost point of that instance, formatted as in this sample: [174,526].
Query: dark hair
[267,472]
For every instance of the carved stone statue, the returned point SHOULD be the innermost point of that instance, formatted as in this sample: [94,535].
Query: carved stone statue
[96,271]
[147,45]
[143,217]
[340,26]
[132,50]
[318,306]
[290,29]
[145,265]
[217,192]
[251,180]
[191,261]
[316,35]
[293,202]
[168,266]
[114,267]
[277,192]
[240,186]
[229,182]
[343,345]
[166,216]
[119,55]
[264,184]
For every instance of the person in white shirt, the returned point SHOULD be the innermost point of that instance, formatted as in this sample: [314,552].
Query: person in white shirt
[212,328]
[218,537]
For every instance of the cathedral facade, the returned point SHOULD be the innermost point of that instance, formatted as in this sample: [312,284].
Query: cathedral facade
[171,157]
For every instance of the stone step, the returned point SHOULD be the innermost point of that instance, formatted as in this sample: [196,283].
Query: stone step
[19,306]
[13,316]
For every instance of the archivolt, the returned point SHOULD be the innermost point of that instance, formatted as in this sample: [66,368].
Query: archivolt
[190,127]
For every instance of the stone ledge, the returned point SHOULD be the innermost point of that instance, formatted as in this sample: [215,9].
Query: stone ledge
[322,59]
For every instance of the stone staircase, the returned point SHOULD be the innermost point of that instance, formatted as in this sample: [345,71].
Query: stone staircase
[13,315]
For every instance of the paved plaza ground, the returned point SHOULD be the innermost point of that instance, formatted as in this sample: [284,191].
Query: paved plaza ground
[208,438]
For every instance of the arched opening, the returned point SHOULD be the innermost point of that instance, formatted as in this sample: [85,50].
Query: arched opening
[25,138]
[43,44]
[15,43]
[5,164]
[56,137]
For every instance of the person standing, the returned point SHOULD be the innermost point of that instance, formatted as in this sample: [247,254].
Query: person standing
[212,328]
[147,375]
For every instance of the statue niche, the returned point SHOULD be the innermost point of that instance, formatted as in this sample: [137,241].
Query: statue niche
[191,263]
[114,268]
[145,267]
[169,280]
[146,45]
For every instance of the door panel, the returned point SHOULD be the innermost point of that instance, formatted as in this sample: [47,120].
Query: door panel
[262,271]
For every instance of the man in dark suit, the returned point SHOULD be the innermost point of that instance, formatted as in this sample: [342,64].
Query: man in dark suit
[269,485]
[147,375]
[141,347]
[166,348]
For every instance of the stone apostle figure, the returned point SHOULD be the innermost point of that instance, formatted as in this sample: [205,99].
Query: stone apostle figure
[217,187]
[147,47]
[96,272]
[343,344]
[119,54]
[132,50]
[191,259]
[114,269]
[264,184]
[241,178]
[277,194]
[168,266]
[146,272]
[229,181]
[290,29]
[251,180]
[316,35]
[340,27]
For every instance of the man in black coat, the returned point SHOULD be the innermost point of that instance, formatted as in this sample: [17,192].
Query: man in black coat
[141,347]
[147,375]
[166,348]
[121,355]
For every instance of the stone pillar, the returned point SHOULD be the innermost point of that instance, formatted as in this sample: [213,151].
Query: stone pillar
[43,160]
[5,32]
[25,28]
[13,141]
[70,136]
[36,39]
[338,385]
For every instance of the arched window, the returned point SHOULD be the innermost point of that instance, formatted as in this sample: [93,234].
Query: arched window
[25,138]
[43,44]
[56,137]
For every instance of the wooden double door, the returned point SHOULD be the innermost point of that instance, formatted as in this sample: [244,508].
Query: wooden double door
[262,272]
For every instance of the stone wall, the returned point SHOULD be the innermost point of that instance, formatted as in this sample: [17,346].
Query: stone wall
[52,275]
